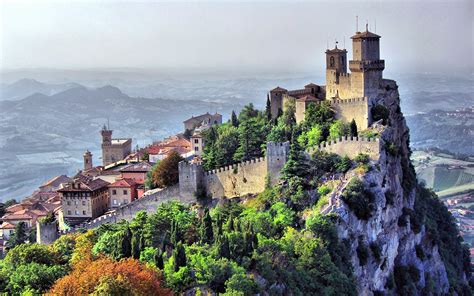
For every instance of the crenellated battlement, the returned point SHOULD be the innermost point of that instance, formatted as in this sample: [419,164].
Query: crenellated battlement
[351,147]
[349,101]
[235,166]
[246,177]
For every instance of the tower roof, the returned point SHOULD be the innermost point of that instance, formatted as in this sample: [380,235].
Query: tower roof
[308,98]
[279,89]
[363,35]
[336,50]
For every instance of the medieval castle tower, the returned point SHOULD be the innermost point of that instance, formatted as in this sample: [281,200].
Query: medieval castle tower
[114,150]
[350,94]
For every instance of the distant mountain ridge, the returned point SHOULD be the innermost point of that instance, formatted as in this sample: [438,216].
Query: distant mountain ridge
[26,87]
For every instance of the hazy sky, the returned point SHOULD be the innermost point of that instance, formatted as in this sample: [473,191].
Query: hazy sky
[416,35]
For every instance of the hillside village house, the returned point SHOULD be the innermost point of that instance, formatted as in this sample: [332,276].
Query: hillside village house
[122,192]
[204,119]
[6,230]
[197,142]
[160,150]
[84,198]
[54,184]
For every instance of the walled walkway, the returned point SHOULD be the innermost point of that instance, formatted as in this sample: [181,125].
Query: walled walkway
[147,203]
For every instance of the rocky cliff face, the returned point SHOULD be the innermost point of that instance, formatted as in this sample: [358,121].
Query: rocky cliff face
[389,238]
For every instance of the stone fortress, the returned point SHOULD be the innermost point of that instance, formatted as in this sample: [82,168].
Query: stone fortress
[350,95]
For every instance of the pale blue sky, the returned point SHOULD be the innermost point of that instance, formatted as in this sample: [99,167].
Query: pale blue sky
[416,36]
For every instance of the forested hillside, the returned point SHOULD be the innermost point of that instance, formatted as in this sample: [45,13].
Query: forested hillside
[297,237]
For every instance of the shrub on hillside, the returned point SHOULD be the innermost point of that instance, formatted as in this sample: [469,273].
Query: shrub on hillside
[359,200]
[380,112]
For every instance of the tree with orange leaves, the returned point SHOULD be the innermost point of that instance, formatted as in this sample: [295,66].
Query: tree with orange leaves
[106,276]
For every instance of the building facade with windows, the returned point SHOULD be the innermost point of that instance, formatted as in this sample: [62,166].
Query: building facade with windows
[84,198]
[122,192]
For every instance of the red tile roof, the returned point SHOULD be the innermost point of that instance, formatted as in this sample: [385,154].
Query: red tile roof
[308,98]
[279,89]
[163,147]
[137,167]
[123,183]
[6,225]
[56,181]
[85,184]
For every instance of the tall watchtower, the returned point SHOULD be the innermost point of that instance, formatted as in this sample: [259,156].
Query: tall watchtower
[106,145]
[276,101]
[106,136]
[87,160]
[366,66]
[336,65]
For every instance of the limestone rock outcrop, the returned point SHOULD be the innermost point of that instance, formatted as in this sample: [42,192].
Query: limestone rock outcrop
[391,181]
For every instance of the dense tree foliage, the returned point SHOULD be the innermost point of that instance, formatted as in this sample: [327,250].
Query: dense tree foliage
[166,171]
[19,236]
[441,226]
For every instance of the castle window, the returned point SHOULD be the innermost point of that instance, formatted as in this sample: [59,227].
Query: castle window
[331,62]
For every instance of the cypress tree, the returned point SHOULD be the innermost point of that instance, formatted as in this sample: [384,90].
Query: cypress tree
[268,109]
[19,235]
[219,225]
[126,243]
[179,255]
[354,132]
[229,227]
[296,164]
[233,119]
[136,245]
[175,233]
[207,235]
[158,258]
[224,251]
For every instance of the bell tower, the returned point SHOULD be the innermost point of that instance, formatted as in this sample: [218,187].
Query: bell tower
[106,145]
[87,160]
[366,66]
[336,65]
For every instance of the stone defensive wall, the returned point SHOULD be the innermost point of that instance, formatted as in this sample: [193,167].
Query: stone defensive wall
[239,179]
[353,108]
[147,203]
[351,147]
[248,177]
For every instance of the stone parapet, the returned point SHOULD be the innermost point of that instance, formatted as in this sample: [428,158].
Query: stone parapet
[351,147]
